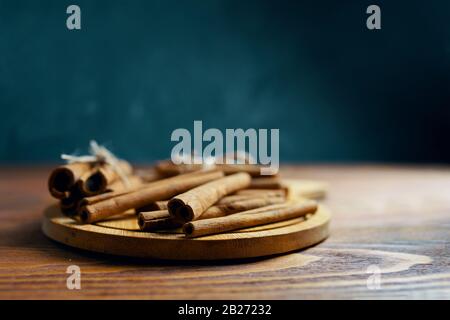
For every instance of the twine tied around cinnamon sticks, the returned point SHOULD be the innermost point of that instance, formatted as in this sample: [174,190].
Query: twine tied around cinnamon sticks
[100,155]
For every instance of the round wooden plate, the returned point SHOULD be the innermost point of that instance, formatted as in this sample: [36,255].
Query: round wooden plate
[120,236]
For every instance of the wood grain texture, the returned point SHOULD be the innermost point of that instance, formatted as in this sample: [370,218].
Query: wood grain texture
[394,218]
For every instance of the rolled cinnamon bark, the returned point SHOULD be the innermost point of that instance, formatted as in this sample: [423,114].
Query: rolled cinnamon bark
[233,198]
[237,197]
[134,182]
[239,206]
[167,168]
[159,224]
[151,215]
[191,204]
[98,181]
[148,175]
[160,205]
[157,220]
[70,211]
[69,205]
[246,219]
[271,182]
[155,191]
[155,206]
[262,192]
[63,178]
[115,189]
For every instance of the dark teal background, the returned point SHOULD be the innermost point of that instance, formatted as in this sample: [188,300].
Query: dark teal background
[139,69]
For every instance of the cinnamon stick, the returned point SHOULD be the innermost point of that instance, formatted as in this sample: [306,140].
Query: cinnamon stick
[69,205]
[155,206]
[233,198]
[148,175]
[167,168]
[238,197]
[262,192]
[63,178]
[191,204]
[92,183]
[70,211]
[239,206]
[159,224]
[282,205]
[157,220]
[151,215]
[115,189]
[246,219]
[159,190]
[134,182]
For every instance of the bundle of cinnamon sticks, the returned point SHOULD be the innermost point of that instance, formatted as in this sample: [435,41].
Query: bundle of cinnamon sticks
[71,183]
[201,201]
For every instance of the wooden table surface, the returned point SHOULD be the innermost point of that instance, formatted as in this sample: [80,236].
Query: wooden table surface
[389,223]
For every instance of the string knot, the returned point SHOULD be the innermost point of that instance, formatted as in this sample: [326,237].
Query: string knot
[99,155]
